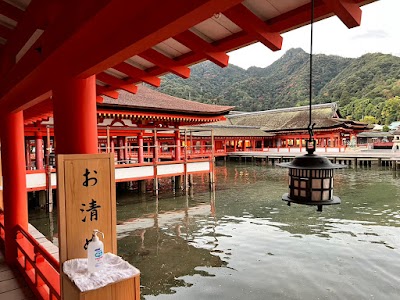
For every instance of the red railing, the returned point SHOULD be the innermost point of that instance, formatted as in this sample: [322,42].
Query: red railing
[2,232]
[40,269]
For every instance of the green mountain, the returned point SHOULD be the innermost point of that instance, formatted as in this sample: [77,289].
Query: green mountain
[362,86]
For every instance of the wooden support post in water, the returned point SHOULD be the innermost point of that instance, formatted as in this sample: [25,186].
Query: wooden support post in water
[42,199]
[178,182]
[191,180]
[142,186]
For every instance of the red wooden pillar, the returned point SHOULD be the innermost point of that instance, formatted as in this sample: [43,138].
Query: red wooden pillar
[28,154]
[140,150]
[112,145]
[120,144]
[177,145]
[75,118]
[39,151]
[234,145]
[126,154]
[14,182]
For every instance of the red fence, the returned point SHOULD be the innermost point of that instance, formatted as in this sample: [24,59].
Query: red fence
[40,269]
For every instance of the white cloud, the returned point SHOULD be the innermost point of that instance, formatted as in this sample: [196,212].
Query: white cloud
[378,33]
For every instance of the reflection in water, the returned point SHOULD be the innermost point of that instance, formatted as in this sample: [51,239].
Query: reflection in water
[242,241]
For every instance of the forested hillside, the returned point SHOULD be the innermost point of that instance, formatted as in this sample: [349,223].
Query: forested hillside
[366,88]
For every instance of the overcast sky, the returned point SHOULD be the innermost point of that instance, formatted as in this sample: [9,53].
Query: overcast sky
[379,32]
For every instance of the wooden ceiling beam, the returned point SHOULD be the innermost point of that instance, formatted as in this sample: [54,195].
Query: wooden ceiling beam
[137,75]
[34,17]
[5,32]
[101,90]
[74,44]
[197,44]
[37,71]
[347,11]
[254,26]
[166,63]
[10,11]
[117,83]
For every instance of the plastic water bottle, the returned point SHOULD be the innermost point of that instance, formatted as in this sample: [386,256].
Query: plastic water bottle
[95,253]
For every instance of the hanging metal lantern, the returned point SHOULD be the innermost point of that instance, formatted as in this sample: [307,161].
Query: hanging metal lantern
[310,175]
[311,179]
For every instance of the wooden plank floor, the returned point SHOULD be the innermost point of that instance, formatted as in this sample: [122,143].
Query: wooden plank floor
[12,284]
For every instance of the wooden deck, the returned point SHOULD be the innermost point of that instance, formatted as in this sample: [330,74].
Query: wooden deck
[12,284]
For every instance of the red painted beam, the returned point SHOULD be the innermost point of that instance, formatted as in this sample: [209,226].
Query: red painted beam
[170,18]
[347,11]
[117,83]
[101,90]
[64,52]
[254,26]
[166,63]
[11,11]
[5,32]
[197,44]
[34,17]
[35,70]
[137,75]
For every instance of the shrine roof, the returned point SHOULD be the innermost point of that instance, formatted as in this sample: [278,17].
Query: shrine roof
[229,131]
[149,99]
[323,115]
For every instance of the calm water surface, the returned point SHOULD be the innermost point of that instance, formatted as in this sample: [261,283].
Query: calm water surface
[243,242]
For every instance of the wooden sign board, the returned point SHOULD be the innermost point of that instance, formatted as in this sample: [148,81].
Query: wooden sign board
[86,201]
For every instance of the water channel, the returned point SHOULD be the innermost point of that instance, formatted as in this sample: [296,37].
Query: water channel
[243,242]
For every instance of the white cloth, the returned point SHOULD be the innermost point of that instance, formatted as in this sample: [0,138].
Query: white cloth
[114,269]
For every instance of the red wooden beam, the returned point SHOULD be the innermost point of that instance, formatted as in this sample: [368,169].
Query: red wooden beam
[101,90]
[35,70]
[170,18]
[117,83]
[137,75]
[11,11]
[347,11]
[5,32]
[34,17]
[166,63]
[64,52]
[197,44]
[254,26]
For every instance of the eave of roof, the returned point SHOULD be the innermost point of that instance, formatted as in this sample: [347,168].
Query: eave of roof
[147,99]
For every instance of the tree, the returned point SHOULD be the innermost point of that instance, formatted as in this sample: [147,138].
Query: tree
[369,120]
[391,110]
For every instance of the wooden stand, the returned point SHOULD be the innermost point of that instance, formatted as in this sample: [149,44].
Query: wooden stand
[121,290]
[87,201]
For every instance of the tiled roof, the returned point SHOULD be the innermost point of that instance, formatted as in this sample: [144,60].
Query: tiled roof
[151,100]
[289,118]
[373,134]
[296,118]
[229,131]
